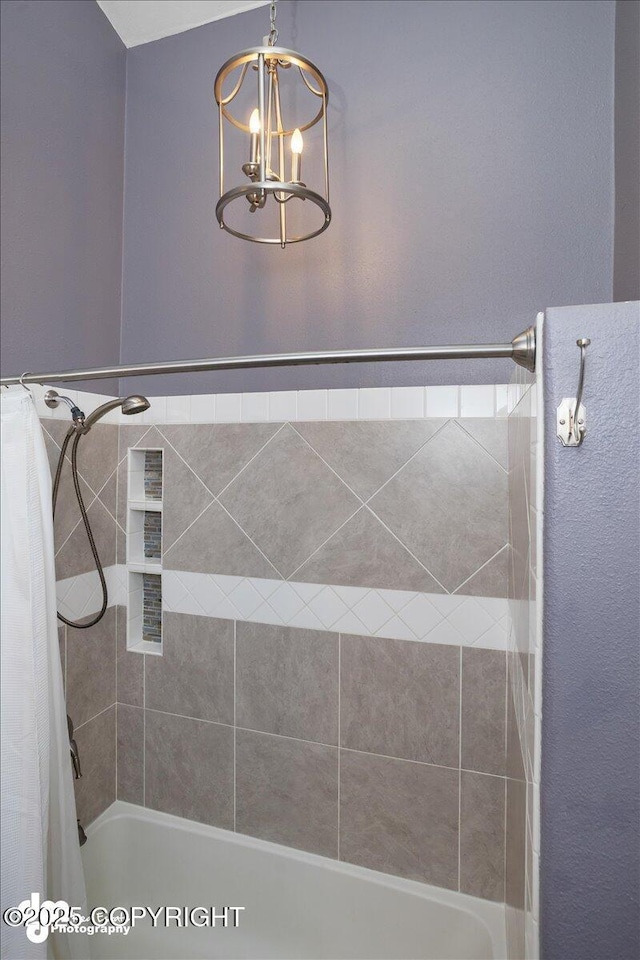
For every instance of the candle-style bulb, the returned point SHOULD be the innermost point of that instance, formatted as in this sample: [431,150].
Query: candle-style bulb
[296,150]
[297,142]
[254,131]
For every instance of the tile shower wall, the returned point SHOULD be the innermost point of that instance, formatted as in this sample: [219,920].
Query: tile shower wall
[89,655]
[524,680]
[381,534]
[310,715]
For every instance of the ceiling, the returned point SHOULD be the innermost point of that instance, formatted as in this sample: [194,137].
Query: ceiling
[139,21]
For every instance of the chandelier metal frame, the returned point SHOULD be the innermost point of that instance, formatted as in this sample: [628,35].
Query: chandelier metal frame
[267,177]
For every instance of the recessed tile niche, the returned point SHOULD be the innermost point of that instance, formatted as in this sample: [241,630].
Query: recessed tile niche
[144,550]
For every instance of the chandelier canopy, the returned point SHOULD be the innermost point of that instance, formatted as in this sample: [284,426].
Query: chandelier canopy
[273,96]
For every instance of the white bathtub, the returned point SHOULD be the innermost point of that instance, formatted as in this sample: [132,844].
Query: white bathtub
[298,905]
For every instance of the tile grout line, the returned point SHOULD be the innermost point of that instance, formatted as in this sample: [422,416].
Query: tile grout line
[481,445]
[251,541]
[480,568]
[95,716]
[334,746]
[250,461]
[445,421]
[324,543]
[396,537]
[328,465]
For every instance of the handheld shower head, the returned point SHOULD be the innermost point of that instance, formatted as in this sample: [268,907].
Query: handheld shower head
[135,404]
[130,406]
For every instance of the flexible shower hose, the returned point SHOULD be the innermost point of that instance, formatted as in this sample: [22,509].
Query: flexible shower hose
[81,624]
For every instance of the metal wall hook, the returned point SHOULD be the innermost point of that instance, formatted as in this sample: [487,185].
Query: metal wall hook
[571,414]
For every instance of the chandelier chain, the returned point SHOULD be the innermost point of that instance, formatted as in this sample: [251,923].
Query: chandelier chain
[273,32]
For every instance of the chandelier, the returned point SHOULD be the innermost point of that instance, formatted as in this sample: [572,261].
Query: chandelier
[277,99]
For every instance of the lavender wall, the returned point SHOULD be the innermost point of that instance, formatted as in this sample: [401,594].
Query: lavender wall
[472,182]
[63,88]
[590,795]
[626,261]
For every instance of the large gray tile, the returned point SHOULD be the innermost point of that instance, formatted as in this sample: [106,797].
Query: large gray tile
[491,433]
[287,792]
[217,452]
[129,666]
[492,580]
[482,836]
[448,505]
[484,678]
[130,756]
[216,544]
[97,455]
[516,814]
[364,554]
[184,497]
[287,681]
[130,435]
[189,768]
[67,514]
[400,698]
[96,789]
[75,555]
[56,429]
[365,454]
[288,501]
[91,668]
[194,675]
[399,817]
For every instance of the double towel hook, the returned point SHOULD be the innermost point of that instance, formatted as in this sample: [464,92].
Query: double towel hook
[571,414]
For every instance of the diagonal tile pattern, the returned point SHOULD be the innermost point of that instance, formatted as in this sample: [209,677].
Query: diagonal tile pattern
[288,501]
[292,499]
[367,454]
[363,552]
[448,506]
[217,452]
[216,544]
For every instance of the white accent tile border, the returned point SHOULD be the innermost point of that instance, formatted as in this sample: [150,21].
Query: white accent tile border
[452,619]
[368,403]
[82,595]
[400,614]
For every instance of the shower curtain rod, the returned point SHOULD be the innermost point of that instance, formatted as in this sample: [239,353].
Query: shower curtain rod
[522,350]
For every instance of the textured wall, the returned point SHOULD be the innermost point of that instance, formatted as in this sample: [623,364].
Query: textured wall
[590,726]
[626,260]
[63,86]
[471,186]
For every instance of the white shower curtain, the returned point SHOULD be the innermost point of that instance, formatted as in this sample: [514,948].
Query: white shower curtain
[40,850]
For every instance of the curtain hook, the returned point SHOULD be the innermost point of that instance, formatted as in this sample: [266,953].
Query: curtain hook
[27,373]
